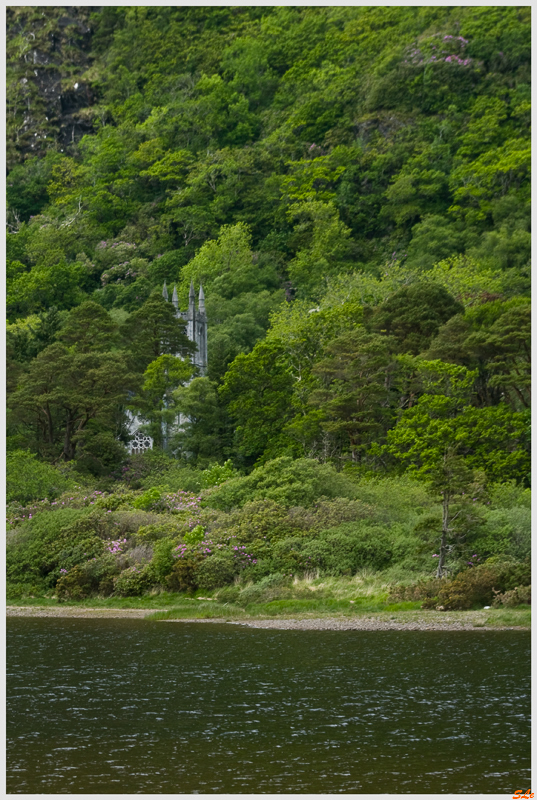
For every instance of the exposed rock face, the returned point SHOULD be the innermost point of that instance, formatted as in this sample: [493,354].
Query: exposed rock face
[48,99]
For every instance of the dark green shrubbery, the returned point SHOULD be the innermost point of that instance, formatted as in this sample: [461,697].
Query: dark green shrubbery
[92,577]
[339,551]
[477,586]
[216,571]
[134,581]
[97,543]
[62,539]
[184,575]
[163,561]
[75,585]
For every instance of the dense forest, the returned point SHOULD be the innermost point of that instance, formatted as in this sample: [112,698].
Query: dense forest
[351,186]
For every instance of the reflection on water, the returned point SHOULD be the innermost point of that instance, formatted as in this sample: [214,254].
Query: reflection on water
[125,706]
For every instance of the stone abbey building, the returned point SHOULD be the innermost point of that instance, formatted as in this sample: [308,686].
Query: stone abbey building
[196,330]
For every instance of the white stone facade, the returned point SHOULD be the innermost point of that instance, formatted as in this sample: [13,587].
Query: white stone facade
[196,330]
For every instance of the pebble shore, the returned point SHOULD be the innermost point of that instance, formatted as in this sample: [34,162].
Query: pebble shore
[409,621]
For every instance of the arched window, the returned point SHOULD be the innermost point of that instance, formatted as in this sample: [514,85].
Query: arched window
[140,443]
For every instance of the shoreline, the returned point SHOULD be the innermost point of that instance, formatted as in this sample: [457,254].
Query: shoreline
[409,621]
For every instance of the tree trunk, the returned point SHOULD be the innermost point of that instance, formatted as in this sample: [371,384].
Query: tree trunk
[445,530]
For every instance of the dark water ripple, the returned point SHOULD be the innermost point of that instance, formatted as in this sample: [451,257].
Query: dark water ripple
[126,706]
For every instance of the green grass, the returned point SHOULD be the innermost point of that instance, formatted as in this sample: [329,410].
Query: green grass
[506,617]
[307,597]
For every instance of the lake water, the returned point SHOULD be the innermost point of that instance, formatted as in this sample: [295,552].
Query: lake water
[130,706]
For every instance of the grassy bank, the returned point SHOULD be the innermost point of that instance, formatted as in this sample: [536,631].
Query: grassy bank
[292,538]
[310,597]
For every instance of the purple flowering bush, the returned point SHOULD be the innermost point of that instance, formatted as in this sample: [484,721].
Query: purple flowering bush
[185,505]
[439,48]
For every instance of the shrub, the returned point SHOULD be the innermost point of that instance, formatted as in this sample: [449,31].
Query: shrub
[257,519]
[84,579]
[400,499]
[61,539]
[194,536]
[74,585]
[275,586]
[127,522]
[115,500]
[154,533]
[133,581]
[163,561]
[507,531]
[101,572]
[338,551]
[28,479]
[330,513]
[215,571]
[285,481]
[148,499]
[347,548]
[515,597]
[217,474]
[422,590]
[509,495]
[151,465]
[184,575]
[479,585]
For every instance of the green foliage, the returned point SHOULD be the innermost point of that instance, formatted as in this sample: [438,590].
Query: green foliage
[493,439]
[195,536]
[153,331]
[258,389]
[28,479]
[162,562]
[521,595]
[59,540]
[285,481]
[216,571]
[160,531]
[66,403]
[206,431]
[184,575]
[414,314]
[339,551]
[217,474]
[351,186]
[147,499]
[75,585]
[479,585]
[133,581]
[355,398]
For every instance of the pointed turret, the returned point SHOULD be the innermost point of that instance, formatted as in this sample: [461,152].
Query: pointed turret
[165,291]
[192,296]
[201,300]
[175,298]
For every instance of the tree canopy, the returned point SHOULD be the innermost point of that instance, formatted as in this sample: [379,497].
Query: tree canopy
[349,184]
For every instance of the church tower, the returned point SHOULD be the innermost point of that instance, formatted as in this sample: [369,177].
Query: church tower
[196,330]
[196,325]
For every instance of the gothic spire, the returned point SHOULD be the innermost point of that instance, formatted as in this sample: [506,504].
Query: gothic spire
[201,299]
[192,296]
[165,291]
[175,298]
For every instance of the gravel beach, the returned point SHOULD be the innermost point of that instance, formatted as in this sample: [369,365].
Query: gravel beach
[407,621]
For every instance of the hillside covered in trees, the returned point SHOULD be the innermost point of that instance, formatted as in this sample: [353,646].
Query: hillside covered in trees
[351,185]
